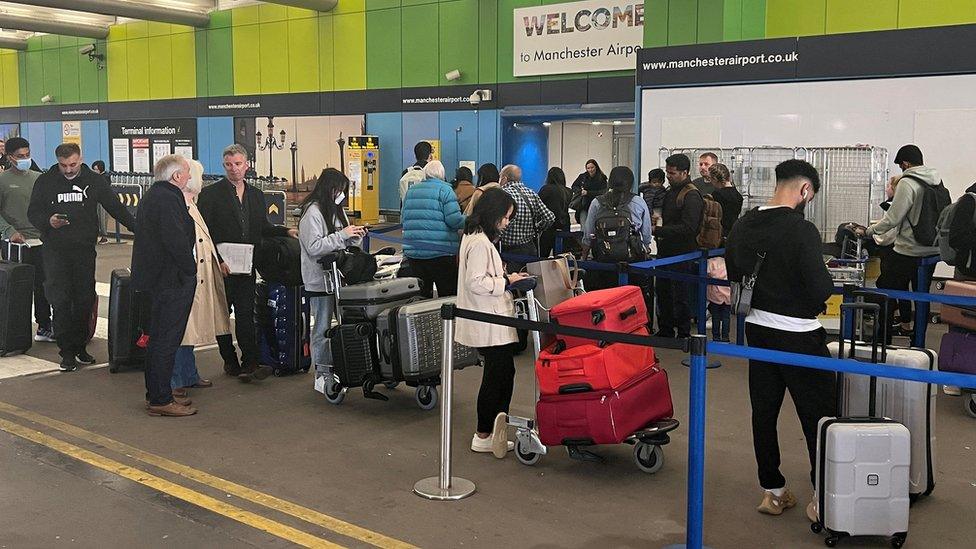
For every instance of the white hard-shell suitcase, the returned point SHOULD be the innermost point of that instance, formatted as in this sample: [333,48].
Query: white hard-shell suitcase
[863,462]
[907,402]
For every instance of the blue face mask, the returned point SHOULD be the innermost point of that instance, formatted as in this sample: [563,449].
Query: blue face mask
[23,164]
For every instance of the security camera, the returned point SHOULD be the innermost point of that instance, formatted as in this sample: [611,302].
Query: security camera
[47,99]
[475,98]
[85,50]
[453,75]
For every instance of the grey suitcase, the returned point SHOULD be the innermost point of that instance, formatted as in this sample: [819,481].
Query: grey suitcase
[363,302]
[410,342]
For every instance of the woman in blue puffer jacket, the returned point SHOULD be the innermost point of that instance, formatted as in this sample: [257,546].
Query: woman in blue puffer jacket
[431,217]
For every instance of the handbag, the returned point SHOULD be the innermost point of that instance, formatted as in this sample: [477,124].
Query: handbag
[356,265]
[742,291]
[557,279]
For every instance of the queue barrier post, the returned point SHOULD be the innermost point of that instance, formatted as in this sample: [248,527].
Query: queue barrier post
[445,487]
[922,308]
[702,291]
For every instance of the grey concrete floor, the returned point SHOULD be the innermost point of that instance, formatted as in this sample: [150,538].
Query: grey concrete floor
[359,461]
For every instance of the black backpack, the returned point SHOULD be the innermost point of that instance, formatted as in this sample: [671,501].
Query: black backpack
[934,200]
[615,239]
[279,260]
[356,265]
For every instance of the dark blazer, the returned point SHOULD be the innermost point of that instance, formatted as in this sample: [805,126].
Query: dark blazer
[162,255]
[219,206]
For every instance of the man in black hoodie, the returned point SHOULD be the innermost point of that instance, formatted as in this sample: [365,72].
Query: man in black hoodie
[64,207]
[791,288]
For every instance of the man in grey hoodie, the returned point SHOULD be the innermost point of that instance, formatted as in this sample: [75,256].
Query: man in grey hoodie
[902,266]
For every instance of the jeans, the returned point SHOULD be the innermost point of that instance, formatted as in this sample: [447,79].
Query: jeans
[497,384]
[323,309]
[721,316]
[813,393]
[439,271]
[170,312]
[184,368]
[240,299]
[70,286]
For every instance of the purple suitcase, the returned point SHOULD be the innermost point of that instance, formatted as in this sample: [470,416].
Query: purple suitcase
[957,352]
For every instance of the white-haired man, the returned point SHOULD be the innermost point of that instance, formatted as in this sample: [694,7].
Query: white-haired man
[431,217]
[163,266]
[531,218]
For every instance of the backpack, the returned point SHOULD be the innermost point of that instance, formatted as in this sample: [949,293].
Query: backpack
[279,260]
[935,199]
[710,231]
[615,239]
[413,175]
[947,252]
[356,265]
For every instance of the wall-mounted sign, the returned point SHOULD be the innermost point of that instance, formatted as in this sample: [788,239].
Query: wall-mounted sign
[276,202]
[138,144]
[71,132]
[590,36]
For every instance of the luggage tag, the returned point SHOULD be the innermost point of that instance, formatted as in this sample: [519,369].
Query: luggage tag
[143,341]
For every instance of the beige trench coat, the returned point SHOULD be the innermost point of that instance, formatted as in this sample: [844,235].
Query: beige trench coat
[481,287]
[209,316]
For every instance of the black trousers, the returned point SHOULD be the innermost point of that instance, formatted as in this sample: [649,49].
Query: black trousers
[170,312]
[497,384]
[240,300]
[672,296]
[70,287]
[814,394]
[899,272]
[547,242]
[34,256]
[439,271]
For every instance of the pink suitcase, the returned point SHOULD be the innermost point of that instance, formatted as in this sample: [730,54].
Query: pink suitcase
[604,417]
[961,317]
[620,309]
[591,367]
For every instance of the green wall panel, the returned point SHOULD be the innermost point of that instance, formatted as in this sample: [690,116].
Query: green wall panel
[200,53]
[50,74]
[732,20]
[160,67]
[5,84]
[67,71]
[89,77]
[303,54]
[383,49]
[711,24]
[117,61]
[159,29]
[458,49]
[273,57]
[931,13]
[220,19]
[349,50]
[487,40]
[863,15]
[753,19]
[418,65]
[795,18]
[247,59]
[138,65]
[326,49]
[349,6]
[220,62]
[301,13]
[245,16]
[656,23]
[184,65]
[683,22]
[269,13]
[505,29]
[382,4]
[137,29]
[50,41]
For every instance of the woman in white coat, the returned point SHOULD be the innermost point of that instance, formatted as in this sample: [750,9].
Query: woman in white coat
[482,286]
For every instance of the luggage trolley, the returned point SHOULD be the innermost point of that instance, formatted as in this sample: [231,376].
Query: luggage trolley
[847,268]
[529,449]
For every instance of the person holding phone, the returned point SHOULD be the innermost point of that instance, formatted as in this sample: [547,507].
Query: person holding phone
[484,286]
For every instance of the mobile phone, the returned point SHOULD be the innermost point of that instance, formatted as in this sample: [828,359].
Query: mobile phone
[62,217]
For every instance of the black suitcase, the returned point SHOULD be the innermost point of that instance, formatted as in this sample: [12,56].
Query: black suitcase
[353,360]
[128,320]
[16,293]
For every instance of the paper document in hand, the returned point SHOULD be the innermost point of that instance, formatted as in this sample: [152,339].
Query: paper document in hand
[238,257]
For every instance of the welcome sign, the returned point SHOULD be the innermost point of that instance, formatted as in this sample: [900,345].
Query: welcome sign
[590,36]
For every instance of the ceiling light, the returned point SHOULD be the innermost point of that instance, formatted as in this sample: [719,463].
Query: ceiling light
[617,122]
[595,122]
[547,124]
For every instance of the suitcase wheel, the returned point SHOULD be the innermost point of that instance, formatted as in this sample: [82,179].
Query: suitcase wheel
[831,540]
[426,397]
[970,404]
[898,540]
[335,393]
[648,457]
[525,457]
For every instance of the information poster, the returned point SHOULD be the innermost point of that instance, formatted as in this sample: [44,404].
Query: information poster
[71,132]
[435,145]
[138,144]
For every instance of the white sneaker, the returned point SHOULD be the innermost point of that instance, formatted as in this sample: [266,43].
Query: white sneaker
[951,390]
[499,436]
[480,445]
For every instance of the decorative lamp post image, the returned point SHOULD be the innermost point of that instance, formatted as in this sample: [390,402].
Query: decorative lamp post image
[270,143]
[294,166]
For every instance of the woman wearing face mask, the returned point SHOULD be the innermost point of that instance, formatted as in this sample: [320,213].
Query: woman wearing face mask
[587,187]
[482,286]
[324,229]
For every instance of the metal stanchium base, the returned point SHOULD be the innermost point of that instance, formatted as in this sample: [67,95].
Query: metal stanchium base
[430,488]
[711,365]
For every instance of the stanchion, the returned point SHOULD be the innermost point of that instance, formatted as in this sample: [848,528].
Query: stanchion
[702,292]
[444,487]
[922,308]
[696,446]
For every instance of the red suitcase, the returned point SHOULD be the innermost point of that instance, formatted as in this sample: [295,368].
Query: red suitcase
[591,367]
[604,417]
[620,309]
[962,317]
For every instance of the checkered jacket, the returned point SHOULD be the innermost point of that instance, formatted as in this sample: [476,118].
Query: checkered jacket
[531,216]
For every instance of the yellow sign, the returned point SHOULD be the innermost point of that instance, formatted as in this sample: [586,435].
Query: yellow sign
[273,209]
[435,144]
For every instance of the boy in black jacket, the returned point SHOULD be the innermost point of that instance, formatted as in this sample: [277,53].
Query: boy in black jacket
[64,207]
[792,286]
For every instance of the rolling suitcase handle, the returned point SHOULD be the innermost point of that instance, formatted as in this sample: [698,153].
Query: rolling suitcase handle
[879,319]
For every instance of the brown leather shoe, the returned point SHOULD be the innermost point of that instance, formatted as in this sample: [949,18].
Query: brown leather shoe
[202,384]
[182,401]
[180,392]
[173,409]
[232,369]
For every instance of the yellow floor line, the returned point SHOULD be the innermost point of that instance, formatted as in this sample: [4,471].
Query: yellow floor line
[162,485]
[304,513]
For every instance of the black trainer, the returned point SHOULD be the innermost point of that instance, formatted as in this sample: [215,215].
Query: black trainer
[68,365]
[85,358]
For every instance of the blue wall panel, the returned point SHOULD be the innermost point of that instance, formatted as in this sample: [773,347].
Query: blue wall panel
[418,126]
[488,137]
[213,134]
[53,138]
[458,145]
[203,145]
[527,145]
[33,132]
[94,141]
[388,126]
